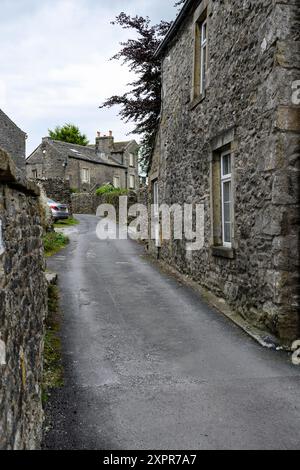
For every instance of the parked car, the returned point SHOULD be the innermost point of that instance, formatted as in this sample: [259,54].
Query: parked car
[58,211]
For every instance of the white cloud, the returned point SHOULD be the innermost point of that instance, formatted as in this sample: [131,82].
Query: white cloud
[55,64]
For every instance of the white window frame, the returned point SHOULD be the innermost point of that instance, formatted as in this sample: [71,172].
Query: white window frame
[203,56]
[155,197]
[2,246]
[85,175]
[226,179]
[156,213]
[117,178]
[131,160]
[131,177]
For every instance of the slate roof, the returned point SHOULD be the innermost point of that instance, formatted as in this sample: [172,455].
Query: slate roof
[80,152]
[118,147]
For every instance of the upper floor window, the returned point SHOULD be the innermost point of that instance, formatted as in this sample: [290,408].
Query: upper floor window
[203,57]
[85,177]
[116,182]
[200,58]
[131,159]
[34,174]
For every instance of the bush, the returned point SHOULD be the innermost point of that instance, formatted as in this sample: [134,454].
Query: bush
[110,189]
[105,189]
[74,190]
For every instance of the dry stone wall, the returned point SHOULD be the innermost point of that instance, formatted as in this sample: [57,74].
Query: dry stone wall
[22,310]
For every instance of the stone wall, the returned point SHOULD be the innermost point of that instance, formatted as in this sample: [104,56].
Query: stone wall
[22,310]
[57,189]
[253,61]
[84,203]
[12,140]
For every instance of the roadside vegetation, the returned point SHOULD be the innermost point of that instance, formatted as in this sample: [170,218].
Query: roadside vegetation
[111,194]
[110,189]
[54,242]
[53,370]
[64,223]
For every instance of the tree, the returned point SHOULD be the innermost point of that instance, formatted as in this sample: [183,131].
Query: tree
[142,103]
[69,133]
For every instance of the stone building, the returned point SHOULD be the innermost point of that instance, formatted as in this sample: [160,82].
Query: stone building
[23,306]
[12,140]
[228,138]
[87,167]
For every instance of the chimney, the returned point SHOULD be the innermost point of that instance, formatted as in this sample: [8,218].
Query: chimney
[104,144]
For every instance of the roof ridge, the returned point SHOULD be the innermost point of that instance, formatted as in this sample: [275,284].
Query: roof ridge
[68,143]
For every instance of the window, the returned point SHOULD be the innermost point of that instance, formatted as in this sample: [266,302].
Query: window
[155,229]
[132,181]
[200,58]
[116,182]
[203,57]
[131,159]
[85,175]
[226,196]
[2,247]
[34,174]
[155,194]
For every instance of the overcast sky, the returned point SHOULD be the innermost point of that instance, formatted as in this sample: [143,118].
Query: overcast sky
[54,62]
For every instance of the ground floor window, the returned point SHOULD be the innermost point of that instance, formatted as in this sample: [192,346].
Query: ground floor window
[85,175]
[132,182]
[116,182]
[222,193]
[226,197]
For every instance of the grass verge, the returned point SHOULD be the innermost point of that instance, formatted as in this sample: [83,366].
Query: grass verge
[54,242]
[66,222]
[53,370]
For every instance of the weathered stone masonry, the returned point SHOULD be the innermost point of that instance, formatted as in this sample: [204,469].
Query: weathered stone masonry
[22,310]
[57,189]
[12,140]
[253,60]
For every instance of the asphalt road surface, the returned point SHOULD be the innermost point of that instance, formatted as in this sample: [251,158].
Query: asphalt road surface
[148,365]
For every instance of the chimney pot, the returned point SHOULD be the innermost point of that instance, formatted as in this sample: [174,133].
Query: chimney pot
[98,134]
[110,134]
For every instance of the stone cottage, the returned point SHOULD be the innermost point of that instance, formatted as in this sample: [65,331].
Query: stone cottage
[228,138]
[12,140]
[87,167]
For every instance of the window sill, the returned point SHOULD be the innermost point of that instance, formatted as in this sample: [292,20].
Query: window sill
[223,252]
[197,101]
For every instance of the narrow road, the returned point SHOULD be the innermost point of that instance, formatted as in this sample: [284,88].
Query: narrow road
[148,365]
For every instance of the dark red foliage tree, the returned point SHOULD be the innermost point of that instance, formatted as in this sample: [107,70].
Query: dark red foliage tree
[142,103]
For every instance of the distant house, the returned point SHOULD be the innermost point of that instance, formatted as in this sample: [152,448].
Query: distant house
[87,167]
[12,140]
